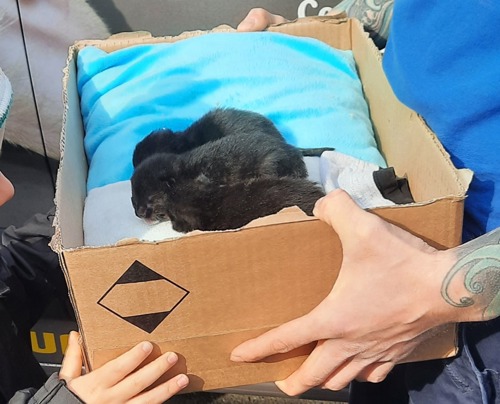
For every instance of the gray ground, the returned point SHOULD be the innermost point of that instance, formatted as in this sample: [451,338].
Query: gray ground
[213,398]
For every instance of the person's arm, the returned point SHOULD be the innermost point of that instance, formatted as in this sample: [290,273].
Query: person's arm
[120,380]
[393,291]
[375,16]
[6,189]
[472,285]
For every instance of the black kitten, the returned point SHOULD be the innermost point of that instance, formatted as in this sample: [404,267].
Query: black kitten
[228,159]
[216,124]
[222,162]
[211,206]
[227,151]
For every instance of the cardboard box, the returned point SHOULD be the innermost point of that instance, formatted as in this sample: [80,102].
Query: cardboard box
[202,295]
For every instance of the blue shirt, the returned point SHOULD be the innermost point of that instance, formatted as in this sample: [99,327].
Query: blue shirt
[443,61]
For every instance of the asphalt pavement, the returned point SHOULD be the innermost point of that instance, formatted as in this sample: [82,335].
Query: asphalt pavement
[262,393]
[228,398]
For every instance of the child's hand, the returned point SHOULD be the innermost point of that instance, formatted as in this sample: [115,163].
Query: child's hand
[117,381]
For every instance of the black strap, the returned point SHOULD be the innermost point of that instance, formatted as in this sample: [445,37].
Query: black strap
[393,188]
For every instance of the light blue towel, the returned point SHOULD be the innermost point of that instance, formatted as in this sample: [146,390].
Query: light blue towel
[310,91]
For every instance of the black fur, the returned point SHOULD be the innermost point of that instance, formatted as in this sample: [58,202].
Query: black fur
[210,206]
[225,170]
[215,124]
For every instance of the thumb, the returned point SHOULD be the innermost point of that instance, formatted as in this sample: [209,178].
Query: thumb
[340,211]
[258,19]
[249,25]
[72,363]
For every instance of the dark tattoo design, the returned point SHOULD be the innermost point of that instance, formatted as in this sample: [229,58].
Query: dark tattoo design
[478,272]
[375,15]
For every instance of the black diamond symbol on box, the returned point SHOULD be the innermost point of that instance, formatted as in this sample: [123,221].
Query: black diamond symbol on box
[158,297]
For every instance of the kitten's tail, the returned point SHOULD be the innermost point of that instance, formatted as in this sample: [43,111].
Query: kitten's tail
[314,151]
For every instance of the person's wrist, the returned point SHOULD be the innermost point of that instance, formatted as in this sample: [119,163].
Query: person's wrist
[456,304]
[432,309]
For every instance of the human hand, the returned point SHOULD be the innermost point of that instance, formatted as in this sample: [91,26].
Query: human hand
[384,302]
[259,19]
[118,381]
[6,189]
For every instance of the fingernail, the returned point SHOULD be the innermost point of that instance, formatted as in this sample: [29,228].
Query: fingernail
[182,381]
[171,358]
[147,346]
[235,358]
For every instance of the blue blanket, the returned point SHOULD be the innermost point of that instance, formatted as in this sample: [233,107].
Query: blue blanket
[310,91]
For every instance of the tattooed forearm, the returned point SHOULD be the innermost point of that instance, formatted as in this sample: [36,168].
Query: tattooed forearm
[375,15]
[475,278]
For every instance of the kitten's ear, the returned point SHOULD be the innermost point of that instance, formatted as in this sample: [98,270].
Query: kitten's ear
[167,134]
[202,179]
[162,131]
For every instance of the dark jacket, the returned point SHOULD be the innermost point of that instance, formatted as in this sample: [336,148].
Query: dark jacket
[30,279]
[53,391]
